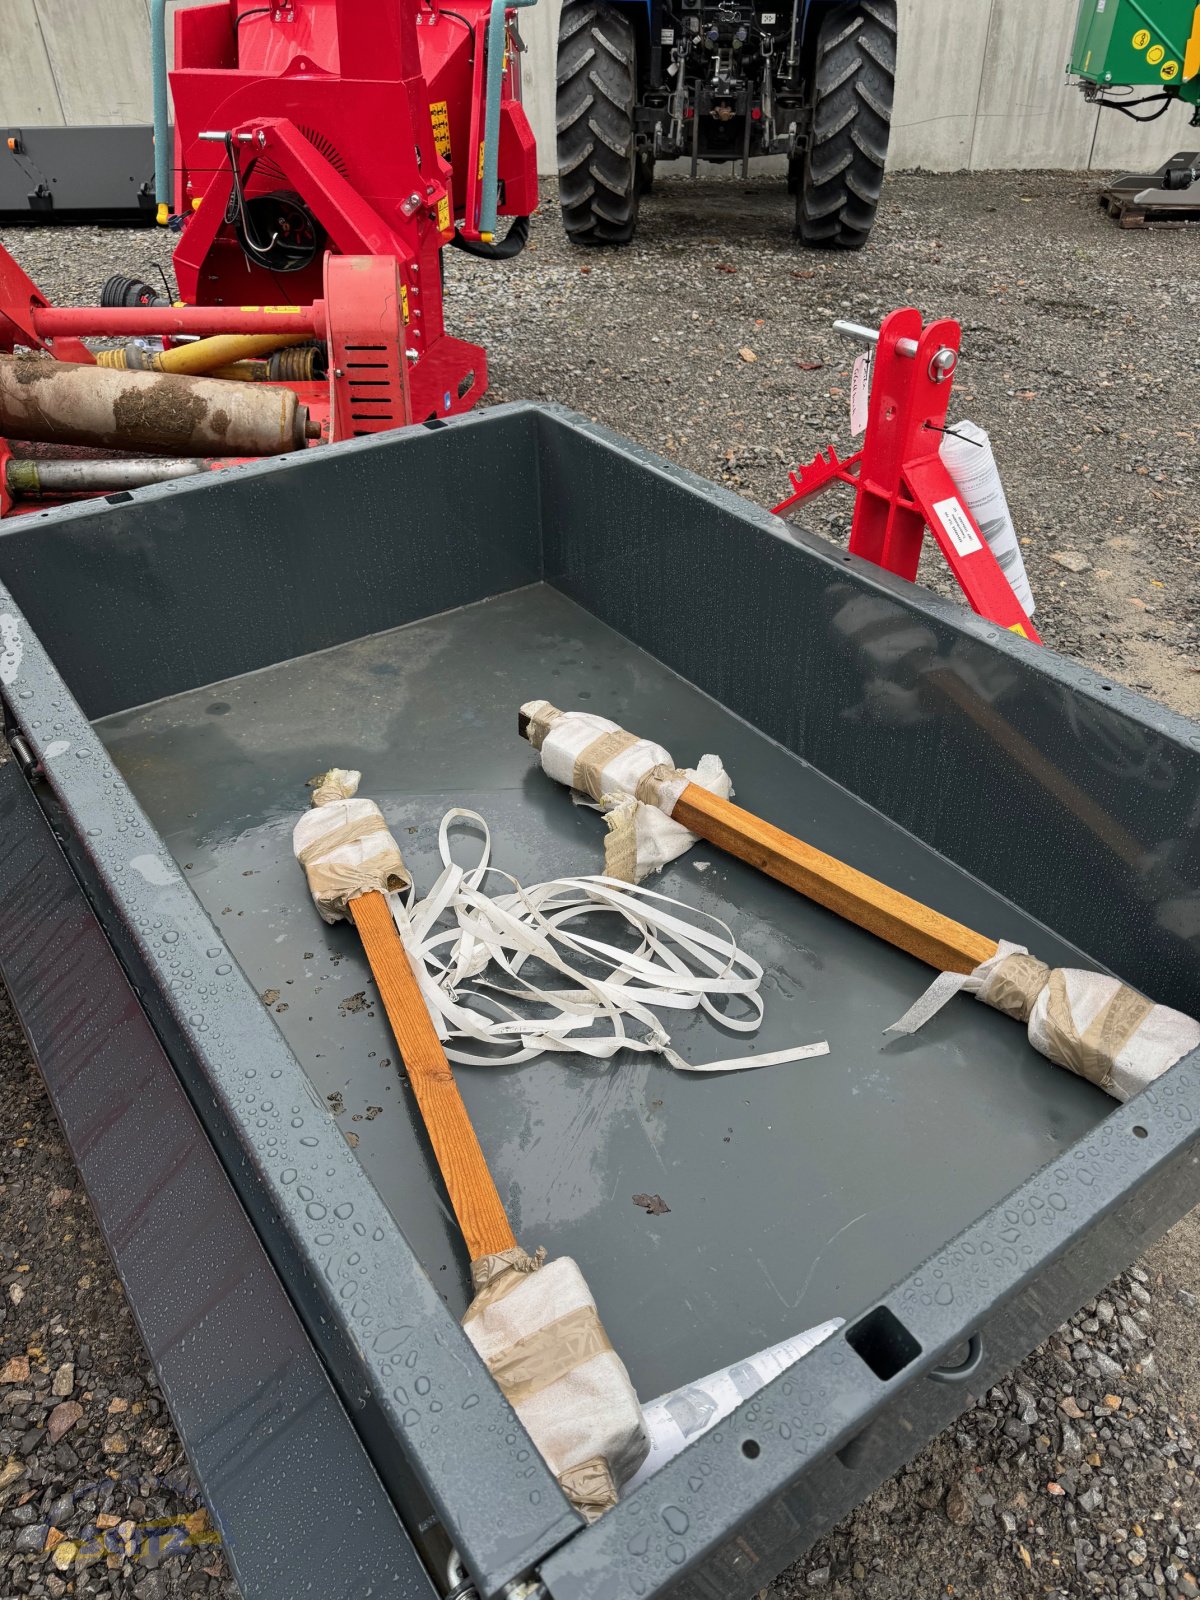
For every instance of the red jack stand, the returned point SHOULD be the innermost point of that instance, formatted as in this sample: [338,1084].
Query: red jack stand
[901,486]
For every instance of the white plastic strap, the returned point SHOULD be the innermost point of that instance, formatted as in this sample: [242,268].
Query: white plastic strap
[458,930]
[947,984]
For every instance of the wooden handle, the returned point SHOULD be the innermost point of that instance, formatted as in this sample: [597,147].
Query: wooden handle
[906,923]
[485,1227]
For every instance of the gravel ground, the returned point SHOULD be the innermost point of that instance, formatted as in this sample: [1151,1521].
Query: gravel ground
[709,341]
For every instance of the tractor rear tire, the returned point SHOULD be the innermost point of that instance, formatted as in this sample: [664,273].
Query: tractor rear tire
[854,80]
[598,187]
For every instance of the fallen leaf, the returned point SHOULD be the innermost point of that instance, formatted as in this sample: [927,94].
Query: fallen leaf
[723,266]
[269,996]
[747,354]
[1025,1556]
[652,1204]
[810,366]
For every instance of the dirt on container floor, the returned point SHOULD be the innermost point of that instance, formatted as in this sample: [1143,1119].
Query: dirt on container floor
[709,340]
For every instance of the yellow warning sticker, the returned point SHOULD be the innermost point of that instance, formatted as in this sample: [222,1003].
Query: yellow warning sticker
[280,310]
[443,214]
[404,303]
[440,117]
[480,174]
[1168,71]
[1141,38]
[1016,627]
[1155,54]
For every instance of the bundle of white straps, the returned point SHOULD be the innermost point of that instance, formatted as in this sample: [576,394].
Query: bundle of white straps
[484,963]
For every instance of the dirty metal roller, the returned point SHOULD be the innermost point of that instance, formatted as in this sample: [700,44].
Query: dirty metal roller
[67,403]
[1088,1022]
[533,1321]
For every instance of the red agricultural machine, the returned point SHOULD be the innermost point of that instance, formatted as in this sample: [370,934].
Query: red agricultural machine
[326,151]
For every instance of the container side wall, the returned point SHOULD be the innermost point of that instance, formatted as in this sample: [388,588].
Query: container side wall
[1073,797]
[145,595]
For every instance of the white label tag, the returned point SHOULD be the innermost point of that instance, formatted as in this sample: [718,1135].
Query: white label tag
[860,393]
[667,36]
[957,525]
[767,19]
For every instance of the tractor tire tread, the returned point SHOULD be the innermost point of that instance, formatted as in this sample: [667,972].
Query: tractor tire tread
[838,191]
[596,79]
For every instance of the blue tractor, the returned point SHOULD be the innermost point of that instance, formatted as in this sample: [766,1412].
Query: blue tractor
[641,81]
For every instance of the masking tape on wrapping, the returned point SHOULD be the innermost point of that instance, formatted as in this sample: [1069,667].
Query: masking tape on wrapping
[591,761]
[542,717]
[549,1354]
[351,832]
[589,1485]
[1014,984]
[663,785]
[1092,1053]
[498,1274]
[346,852]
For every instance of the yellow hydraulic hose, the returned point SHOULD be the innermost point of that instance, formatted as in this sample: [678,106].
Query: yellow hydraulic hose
[202,355]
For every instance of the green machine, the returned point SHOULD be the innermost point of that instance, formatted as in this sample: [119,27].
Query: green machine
[1137,44]
[1126,46]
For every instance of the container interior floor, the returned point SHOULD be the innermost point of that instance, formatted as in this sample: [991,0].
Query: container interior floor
[795,1193]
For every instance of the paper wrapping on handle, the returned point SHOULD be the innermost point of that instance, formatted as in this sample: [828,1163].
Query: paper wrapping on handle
[538,1331]
[633,781]
[1093,1025]
[344,846]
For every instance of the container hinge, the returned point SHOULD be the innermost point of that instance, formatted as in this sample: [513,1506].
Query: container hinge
[24,756]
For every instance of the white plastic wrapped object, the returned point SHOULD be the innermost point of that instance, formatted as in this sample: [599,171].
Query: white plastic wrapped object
[538,1331]
[633,781]
[675,1419]
[1093,1025]
[344,846]
[969,460]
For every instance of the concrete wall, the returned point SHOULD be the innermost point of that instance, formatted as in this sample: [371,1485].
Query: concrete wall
[981,82]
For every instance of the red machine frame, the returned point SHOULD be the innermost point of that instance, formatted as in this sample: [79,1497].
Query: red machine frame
[371,114]
[901,484]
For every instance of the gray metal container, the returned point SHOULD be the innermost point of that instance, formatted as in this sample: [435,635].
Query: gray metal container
[176,662]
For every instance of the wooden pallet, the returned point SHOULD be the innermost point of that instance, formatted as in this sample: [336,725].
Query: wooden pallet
[1138,199]
[1127,212]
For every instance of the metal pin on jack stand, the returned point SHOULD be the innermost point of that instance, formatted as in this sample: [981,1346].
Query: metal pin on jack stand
[941,365]
[901,485]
